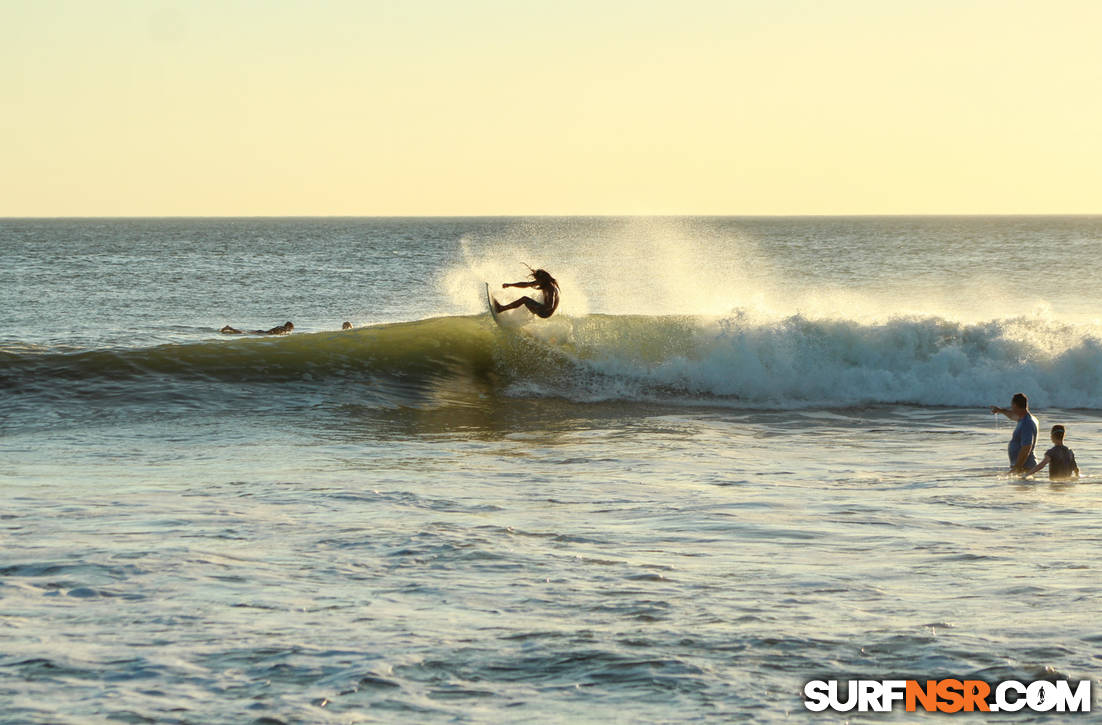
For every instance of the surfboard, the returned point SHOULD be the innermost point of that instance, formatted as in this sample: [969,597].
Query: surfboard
[490,304]
[513,320]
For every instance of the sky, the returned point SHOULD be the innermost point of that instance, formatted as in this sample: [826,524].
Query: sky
[507,107]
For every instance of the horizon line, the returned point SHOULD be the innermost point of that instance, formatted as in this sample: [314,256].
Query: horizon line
[550,216]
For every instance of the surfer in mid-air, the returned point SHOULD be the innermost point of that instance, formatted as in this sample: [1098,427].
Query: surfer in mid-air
[546,284]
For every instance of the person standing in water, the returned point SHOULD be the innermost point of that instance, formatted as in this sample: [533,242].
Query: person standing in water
[1059,459]
[1024,438]
[546,284]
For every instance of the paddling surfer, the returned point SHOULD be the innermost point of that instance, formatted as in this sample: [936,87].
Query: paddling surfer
[542,281]
[283,329]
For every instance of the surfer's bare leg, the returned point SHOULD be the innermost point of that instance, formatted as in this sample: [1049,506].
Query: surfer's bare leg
[536,308]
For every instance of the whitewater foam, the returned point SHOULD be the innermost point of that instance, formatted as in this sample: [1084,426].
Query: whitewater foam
[798,361]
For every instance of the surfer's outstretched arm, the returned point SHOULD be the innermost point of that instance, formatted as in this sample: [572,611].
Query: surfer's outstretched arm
[520,284]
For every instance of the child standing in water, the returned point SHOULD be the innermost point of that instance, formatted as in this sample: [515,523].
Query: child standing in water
[1059,459]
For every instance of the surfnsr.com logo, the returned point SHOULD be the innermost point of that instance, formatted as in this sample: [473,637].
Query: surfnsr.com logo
[949,695]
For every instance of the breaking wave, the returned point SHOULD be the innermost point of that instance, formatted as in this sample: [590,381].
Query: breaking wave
[737,360]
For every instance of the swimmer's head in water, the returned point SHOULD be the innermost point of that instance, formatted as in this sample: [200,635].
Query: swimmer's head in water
[346,326]
[289,325]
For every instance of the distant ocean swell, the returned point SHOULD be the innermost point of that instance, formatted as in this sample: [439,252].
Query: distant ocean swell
[736,361]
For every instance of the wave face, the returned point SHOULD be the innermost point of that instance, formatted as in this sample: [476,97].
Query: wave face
[732,361]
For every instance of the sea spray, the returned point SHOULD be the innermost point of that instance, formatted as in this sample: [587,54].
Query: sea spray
[637,266]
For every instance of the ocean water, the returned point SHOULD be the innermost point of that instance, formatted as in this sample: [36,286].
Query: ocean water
[746,453]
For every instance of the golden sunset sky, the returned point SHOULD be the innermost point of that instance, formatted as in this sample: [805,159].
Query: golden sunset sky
[422,107]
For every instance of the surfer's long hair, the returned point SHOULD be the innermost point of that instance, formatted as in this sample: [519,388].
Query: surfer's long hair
[542,276]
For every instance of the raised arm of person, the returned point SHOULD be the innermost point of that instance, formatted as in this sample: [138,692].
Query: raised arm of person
[1038,467]
[1005,411]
